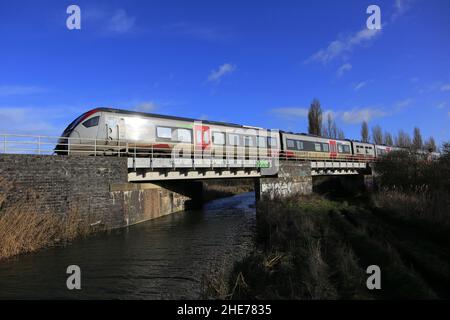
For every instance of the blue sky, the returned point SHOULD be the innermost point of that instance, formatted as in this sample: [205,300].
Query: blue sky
[252,62]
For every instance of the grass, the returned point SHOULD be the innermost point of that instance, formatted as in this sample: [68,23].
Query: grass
[317,248]
[221,188]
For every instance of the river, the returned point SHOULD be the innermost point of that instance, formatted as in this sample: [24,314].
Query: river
[163,258]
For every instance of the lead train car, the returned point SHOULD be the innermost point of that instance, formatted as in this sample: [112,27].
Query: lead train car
[107,130]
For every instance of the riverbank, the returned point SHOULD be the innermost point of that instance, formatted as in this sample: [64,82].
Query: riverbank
[317,248]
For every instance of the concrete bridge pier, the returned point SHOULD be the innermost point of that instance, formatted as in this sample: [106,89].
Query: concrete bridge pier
[293,178]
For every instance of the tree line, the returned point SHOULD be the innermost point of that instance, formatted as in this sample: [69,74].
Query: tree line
[329,129]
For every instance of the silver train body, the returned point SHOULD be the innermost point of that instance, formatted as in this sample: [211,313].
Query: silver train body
[108,131]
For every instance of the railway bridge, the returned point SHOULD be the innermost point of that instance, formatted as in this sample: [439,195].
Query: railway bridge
[119,186]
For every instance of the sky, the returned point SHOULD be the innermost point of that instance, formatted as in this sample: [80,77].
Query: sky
[258,63]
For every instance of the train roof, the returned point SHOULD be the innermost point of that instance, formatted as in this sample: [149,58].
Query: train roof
[154,115]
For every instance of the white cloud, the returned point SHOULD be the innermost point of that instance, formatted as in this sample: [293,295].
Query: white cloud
[216,75]
[35,120]
[358,115]
[399,106]
[148,106]
[344,68]
[445,87]
[355,115]
[20,90]
[290,112]
[441,105]
[343,47]
[359,85]
[400,8]
[120,22]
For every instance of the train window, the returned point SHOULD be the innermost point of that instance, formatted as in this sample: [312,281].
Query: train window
[271,142]
[248,141]
[218,138]
[299,145]
[183,135]
[92,122]
[233,139]
[325,147]
[340,148]
[317,147]
[262,142]
[164,132]
[346,149]
[290,144]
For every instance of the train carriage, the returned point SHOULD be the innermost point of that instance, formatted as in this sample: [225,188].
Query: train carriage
[303,146]
[107,130]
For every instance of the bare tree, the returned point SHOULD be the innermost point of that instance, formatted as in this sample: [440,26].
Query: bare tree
[329,126]
[334,130]
[388,139]
[315,118]
[341,134]
[324,132]
[403,140]
[430,145]
[417,143]
[364,132]
[377,135]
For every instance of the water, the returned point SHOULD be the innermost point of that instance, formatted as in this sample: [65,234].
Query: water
[160,259]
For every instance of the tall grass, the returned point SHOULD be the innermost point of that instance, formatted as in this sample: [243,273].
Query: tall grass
[309,247]
[216,188]
[298,255]
[23,229]
[411,187]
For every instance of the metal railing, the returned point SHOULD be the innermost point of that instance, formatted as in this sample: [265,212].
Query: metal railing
[51,145]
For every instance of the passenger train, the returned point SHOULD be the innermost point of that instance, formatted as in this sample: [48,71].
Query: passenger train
[107,131]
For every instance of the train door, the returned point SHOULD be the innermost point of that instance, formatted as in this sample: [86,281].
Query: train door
[115,130]
[333,149]
[202,137]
